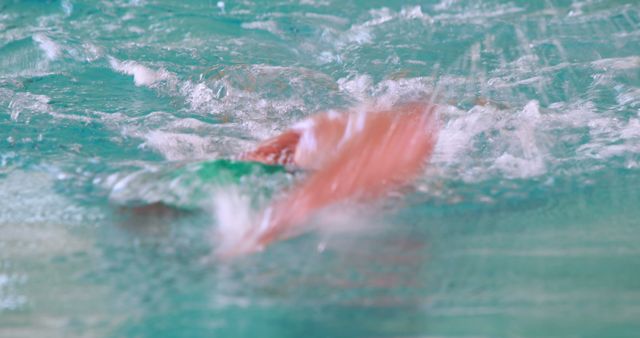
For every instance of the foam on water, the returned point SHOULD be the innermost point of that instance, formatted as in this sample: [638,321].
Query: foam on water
[174,138]
[180,146]
[525,162]
[625,63]
[142,75]
[515,152]
[612,138]
[51,49]
[364,33]
[269,26]
[357,87]
[201,97]
[22,106]
[17,103]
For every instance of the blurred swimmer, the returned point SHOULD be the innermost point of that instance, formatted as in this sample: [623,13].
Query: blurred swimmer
[355,156]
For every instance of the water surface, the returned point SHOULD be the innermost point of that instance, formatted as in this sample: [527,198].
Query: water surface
[524,225]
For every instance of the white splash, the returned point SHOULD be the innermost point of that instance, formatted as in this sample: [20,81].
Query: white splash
[269,26]
[179,146]
[188,124]
[445,4]
[455,138]
[529,161]
[624,63]
[356,86]
[142,76]
[511,148]
[358,34]
[67,7]
[91,52]
[365,32]
[200,96]
[414,12]
[19,103]
[128,16]
[51,49]
[236,223]
[307,140]
[611,137]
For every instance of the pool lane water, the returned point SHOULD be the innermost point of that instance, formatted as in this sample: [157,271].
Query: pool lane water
[524,224]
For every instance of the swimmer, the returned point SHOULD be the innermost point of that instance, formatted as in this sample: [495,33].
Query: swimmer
[358,156]
[352,156]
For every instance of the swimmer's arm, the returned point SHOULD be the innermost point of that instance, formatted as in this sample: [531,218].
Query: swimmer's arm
[278,150]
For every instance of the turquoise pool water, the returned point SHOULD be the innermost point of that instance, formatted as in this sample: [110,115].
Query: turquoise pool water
[524,225]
